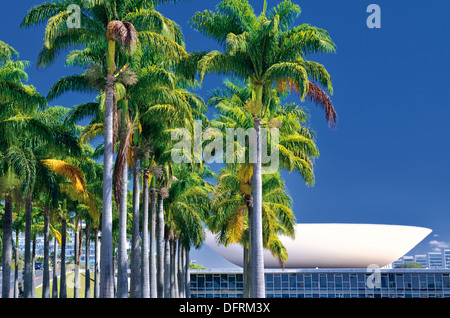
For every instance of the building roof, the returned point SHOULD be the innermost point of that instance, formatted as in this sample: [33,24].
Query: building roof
[331,245]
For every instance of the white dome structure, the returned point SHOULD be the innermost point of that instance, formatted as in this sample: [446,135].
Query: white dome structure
[336,246]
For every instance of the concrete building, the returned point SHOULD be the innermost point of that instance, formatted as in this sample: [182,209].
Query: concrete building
[327,283]
[335,261]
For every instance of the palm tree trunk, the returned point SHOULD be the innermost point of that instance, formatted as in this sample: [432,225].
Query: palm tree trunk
[152,248]
[16,267]
[180,270]
[247,277]
[106,259]
[256,253]
[33,270]
[76,281]
[173,271]
[7,247]
[80,245]
[114,270]
[122,255]
[167,287]
[62,280]
[27,270]
[46,275]
[187,273]
[160,247]
[135,279]
[96,266]
[55,269]
[247,249]
[87,272]
[145,280]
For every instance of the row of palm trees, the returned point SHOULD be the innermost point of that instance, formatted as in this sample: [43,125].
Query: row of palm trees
[42,167]
[135,60]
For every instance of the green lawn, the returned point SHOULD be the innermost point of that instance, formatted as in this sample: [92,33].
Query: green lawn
[69,284]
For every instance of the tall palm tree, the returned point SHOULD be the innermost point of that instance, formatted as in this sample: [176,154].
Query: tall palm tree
[115,19]
[156,100]
[166,112]
[17,100]
[264,50]
[126,34]
[231,209]
[186,208]
[296,144]
[30,154]
[18,227]
[47,202]
[53,186]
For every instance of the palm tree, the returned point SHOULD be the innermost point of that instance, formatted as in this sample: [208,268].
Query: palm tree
[47,202]
[31,155]
[157,99]
[166,110]
[34,130]
[84,201]
[92,211]
[149,103]
[63,216]
[18,227]
[264,50]
[187,208]
[103,18]
[61,189]
[231,209]
[296,145]
[126,35]
[122,256]
[17,100]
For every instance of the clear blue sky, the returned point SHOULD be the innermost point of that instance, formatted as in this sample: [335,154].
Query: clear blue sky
[388,160]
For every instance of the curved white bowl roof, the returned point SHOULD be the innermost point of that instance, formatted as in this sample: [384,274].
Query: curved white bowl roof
[336,246]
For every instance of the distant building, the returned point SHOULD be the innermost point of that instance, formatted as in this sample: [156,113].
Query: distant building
[421,259]
[447,258]
[431,260]
[435,260]
[70,252]
[408,259]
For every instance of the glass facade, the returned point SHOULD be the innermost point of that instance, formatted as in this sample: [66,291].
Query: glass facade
[321,283]
[435,260]
[447,258]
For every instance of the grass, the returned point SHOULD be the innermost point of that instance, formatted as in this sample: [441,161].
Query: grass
[69,284]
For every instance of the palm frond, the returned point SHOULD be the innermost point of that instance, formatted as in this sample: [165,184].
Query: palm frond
[76,83]
[23,162]
[23,95]
[160,43]
[79,112]
[320,98]
[287,12]
[216,26]
[219,63]
[292,71]
[240,10]
[72,172]
[42,13]
[304,39]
